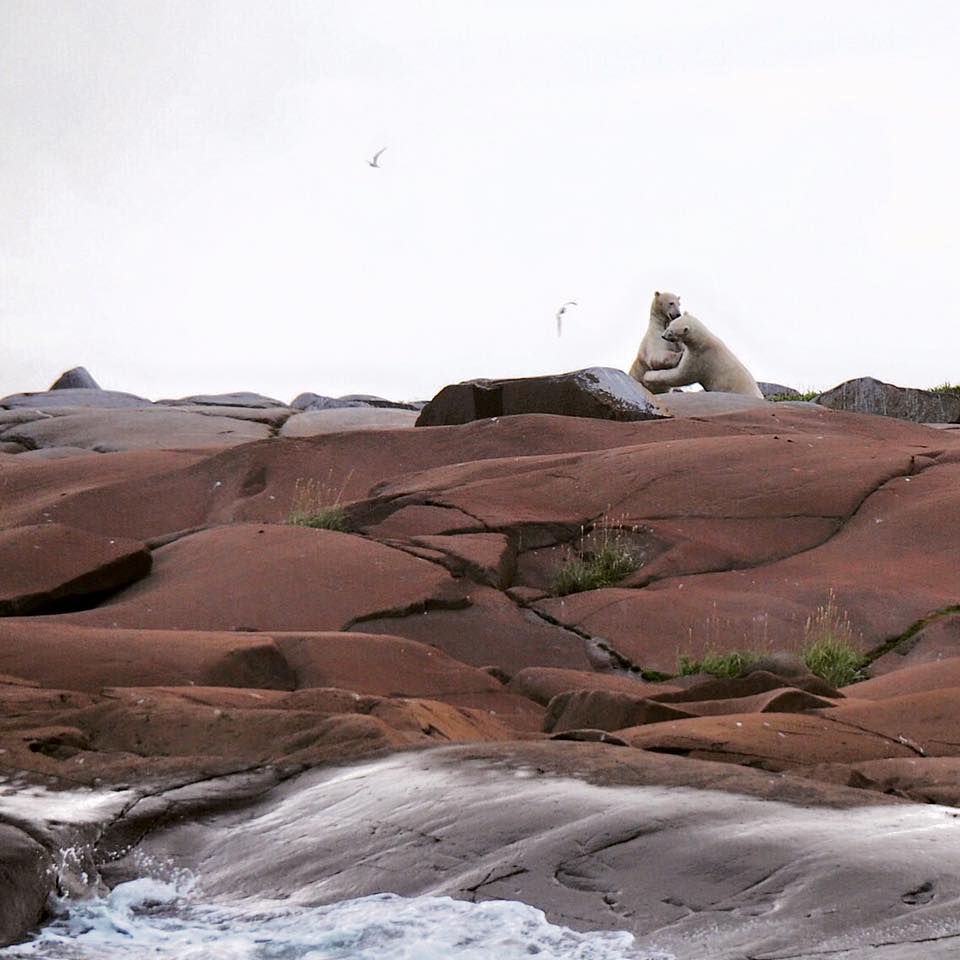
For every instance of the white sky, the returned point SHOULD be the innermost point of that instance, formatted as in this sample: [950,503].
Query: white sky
[185,203]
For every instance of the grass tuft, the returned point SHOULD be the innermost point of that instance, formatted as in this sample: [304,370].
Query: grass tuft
[829,645]
[314,506]
[610,561]
[945,387]
[726,665]
[831,650]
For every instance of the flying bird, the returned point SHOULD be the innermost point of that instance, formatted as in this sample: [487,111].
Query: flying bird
[561,312]
[376,156]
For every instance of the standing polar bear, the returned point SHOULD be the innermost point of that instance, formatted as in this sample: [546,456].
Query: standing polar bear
[706,360]
[654,353]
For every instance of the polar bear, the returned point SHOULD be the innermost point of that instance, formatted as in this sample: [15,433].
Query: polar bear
[706,360]
[654,353]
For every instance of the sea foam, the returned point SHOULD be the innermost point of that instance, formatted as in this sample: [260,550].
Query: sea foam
[159,919]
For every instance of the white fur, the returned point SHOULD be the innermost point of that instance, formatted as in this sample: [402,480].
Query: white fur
[706,360]
[655,353]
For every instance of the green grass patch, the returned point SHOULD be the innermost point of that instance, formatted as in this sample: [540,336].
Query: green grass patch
[830,650]
[314,505]
[945,387]
[730,664]
[601,568]
[326,518]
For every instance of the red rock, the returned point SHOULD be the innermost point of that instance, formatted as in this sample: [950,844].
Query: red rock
[542,684]
[272,577]
[928,722]
[484,557]
[771,741]
[782,700]
[389,666]
[921,779]
[938,675]
[420,520]
[491,630]
[604,710]
[939,640]
[49,566]
[61,655]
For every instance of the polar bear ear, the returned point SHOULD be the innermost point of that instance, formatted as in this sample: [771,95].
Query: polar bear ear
[656,293]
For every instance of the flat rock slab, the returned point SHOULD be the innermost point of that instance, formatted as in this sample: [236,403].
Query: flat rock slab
[601,392]
[867,395]
[734,875]
[253,401]
[273,577]
[315,423]
[491,631]
[542,684]
[914,678]
[154,428]
[46,567]
[703,403]
[60,655]
[74,397]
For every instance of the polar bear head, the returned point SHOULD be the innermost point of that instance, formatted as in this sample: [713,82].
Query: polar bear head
[683,329]
[665,307]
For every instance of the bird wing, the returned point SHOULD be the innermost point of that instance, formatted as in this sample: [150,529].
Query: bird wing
[376,156]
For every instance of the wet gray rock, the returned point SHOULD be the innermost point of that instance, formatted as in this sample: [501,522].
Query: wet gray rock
[74,397]
[26,879]
[76,378]
[254,401]
[867,395]
[598,392]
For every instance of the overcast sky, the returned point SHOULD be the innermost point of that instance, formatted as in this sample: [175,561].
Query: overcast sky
[186,203]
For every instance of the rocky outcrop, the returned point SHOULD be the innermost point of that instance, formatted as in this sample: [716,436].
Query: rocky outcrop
[75,378]
[867,395]
[255,648]
[599,392]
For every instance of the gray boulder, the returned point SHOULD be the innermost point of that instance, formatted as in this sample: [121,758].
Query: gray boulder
[74,397]
[313,401]
[254,401]
[598,392]
[78,377]
[777,390]
[867,395]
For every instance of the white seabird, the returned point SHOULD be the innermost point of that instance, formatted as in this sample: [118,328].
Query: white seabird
[561,312]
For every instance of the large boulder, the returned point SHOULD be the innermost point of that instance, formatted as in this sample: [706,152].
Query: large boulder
[78,377]
[598,392]
[866,395]
[26,880]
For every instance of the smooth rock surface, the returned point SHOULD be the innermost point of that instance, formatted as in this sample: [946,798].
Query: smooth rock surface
[75,378]
[47,567]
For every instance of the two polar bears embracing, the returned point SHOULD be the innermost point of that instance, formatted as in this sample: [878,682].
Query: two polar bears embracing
[678,349]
